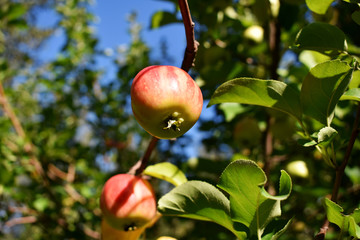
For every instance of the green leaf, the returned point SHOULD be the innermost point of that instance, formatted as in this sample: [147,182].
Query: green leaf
[351,94]
[266,93]
[162,18]
[307,143]
[321,37]
[319,6]
[250,204]
[311,58]
[356,215]
[166,171]
[231,110]
[354,229]
[275,229]
[333,212]
[348,223]
[198,200]
[356,17]
[284,188]
[355,82]
[326,135]
[322,89]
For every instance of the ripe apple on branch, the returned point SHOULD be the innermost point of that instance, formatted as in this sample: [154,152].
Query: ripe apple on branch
[165,101]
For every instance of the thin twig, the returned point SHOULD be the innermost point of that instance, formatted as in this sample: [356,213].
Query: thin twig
[74,194]
[139,167]
[191,43]
[20,220]
[268,145]
[10,113]
[23,209]
[340,172]
[91,233]
[274,46]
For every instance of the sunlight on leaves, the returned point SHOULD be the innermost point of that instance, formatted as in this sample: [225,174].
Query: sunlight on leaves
[352,94]
[322,89]
[198,200]
[250,204]
[347,223]
[266,93]
[319,6]
[166,171]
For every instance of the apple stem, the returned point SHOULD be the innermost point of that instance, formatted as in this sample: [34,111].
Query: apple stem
[140,165]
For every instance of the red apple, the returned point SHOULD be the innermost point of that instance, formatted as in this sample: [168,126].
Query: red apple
[165,101]
[128,202]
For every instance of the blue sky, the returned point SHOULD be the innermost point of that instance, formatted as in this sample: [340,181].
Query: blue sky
[111,27]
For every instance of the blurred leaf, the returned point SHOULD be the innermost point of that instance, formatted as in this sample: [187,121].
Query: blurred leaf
[18,23]
[322,89]
[162,18]
[266,93]
[198,200]
[15,11]
[319,6]
[356,17]
[321,37]
[166,171]
[41,203]
[351,94]
[352,1]
[353,173]
[250,204]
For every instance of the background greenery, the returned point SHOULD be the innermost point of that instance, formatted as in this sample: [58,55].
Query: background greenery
[64,130]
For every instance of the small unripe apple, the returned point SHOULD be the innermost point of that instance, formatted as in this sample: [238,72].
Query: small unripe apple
[128,202]
[165,101]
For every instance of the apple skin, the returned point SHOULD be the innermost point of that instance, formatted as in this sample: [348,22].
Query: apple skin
[128,202]
[109,233]
[165,101]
